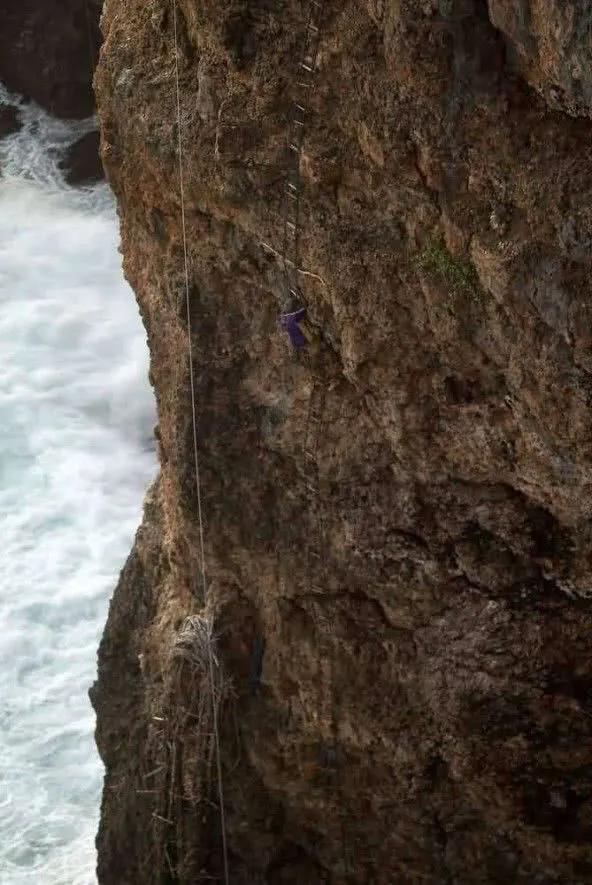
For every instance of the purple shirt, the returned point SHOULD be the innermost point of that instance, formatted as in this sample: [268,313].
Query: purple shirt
[289,322]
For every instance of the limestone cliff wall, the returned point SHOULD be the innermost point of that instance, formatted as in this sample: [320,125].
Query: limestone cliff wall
[405,622]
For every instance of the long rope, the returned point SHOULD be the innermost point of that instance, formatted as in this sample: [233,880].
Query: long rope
[196,457]
[292,195]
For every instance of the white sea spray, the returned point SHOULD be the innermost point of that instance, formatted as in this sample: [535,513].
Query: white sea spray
[76,456]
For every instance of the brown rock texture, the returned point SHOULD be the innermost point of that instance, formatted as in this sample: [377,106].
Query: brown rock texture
[48,49]
[552,41]
[403,613]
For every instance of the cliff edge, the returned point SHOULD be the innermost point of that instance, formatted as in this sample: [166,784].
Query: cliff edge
[398,520]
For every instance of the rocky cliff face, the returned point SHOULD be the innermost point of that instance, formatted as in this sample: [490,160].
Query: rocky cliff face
[398,522]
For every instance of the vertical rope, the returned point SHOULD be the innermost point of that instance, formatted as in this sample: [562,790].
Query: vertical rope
[196,456]
[299,112]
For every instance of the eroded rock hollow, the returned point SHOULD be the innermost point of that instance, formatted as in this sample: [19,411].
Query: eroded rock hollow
[397,519]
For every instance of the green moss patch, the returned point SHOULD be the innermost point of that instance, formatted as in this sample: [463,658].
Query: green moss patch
[460,276]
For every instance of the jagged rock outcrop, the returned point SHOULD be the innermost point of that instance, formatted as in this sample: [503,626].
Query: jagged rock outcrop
[48,49]
[405,621]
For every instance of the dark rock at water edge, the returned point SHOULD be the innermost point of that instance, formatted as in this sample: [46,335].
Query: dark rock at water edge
[82,164]
[9,120]
[48,50]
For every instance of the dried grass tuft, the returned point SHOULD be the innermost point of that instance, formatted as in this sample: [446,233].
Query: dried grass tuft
[195,643]
[183,742]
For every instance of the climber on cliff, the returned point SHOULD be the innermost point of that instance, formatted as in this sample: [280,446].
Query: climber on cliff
[291,323]
[302,333]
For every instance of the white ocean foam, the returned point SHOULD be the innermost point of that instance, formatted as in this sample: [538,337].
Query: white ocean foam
[76,455]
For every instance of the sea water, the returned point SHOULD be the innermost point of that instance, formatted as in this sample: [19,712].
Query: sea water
[76,455]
